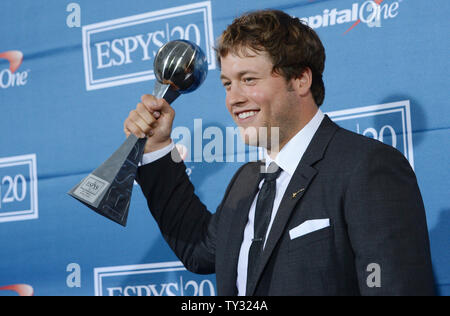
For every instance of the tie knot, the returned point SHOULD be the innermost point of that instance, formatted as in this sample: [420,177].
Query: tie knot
[272,172]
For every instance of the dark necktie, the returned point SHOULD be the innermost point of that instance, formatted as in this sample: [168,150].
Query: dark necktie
[263,212]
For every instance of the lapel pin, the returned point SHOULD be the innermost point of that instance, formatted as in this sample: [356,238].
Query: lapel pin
[299,191]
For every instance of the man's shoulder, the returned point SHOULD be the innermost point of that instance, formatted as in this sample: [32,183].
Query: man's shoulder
[353,143]
[348,149]
[250,168]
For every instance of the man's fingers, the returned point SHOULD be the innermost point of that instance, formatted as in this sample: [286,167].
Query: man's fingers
[156,114]
[136,125]
[131,128]
[126,131]
[156,105]
[150,102]
[163,106]
[144,114]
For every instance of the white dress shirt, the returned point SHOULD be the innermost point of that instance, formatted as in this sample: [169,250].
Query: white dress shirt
[287,159]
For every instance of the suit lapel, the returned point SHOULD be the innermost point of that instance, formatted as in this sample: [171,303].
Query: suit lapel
[297,187]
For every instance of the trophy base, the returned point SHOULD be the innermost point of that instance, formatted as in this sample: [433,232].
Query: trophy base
[107,190]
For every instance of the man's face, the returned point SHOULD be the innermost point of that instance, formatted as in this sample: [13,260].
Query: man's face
[257,97]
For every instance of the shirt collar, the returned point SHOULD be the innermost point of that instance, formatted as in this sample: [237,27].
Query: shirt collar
[290,155]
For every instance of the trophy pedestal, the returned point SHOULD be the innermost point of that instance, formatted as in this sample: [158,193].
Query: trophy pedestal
[107,190]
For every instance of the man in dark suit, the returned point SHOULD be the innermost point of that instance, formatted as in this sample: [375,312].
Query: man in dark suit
[334,213]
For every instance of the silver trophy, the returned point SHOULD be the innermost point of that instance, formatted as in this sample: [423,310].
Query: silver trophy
[180,67]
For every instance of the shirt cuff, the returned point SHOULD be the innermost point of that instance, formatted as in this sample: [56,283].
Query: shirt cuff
[157,154]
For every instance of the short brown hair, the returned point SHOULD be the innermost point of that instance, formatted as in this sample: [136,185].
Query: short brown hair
[292,45]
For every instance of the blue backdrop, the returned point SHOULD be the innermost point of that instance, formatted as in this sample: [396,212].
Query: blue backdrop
[70,72]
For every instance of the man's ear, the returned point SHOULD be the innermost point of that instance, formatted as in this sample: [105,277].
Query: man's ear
[302,84]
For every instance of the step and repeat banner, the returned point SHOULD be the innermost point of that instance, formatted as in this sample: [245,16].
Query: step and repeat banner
[71,71]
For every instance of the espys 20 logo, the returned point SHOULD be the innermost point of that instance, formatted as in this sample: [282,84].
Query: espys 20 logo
[121,51]
[18,188]
[154,279]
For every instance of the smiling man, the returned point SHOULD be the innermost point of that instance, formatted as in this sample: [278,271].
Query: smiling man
[259,98]
[266,82]
[333,213]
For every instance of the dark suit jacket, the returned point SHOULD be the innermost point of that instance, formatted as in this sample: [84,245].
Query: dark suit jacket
[365,188]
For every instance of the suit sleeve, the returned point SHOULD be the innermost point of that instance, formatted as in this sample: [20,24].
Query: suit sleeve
[185,222]
[387,226]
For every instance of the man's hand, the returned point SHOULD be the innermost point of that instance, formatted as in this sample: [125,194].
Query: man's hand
[153,119]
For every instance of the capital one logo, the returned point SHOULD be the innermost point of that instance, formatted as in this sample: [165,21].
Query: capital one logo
[10,77]
[389,123]
[19,289]
[121,51]
[369,12]
[155,279]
